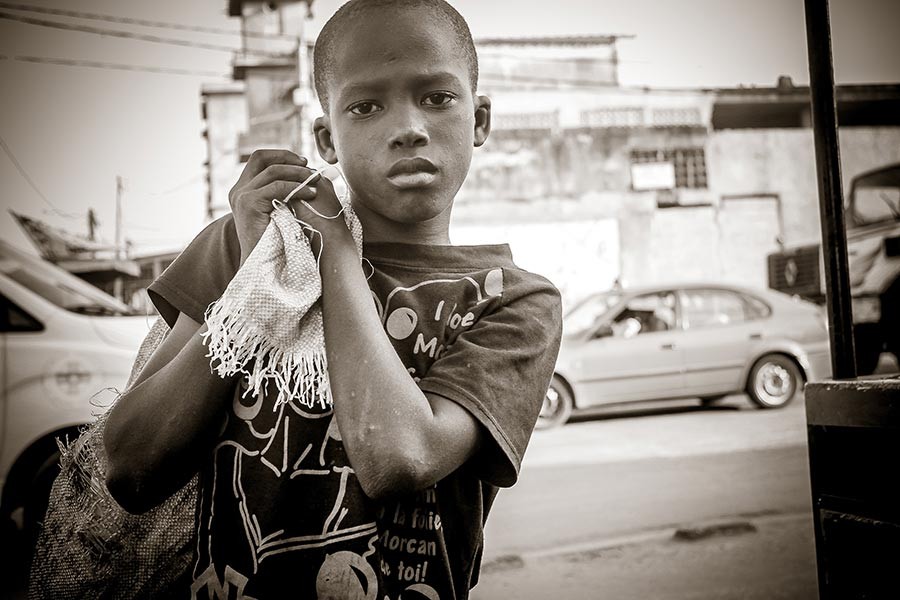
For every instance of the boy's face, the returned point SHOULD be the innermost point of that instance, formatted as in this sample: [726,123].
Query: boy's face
[403,119]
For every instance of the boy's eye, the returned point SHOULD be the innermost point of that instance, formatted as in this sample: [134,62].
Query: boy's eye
[438,99]
[364,108]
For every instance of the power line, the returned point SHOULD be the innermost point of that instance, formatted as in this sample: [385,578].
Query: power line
[135,36]
[69,62]
[197,178]
[142,22]
[31,183]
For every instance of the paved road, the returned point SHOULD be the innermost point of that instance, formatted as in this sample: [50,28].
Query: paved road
[622,473]
[771,561]
[598,501]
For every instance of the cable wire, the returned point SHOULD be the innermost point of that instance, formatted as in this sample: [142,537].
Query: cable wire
[70,62]
[136,36]
[142,22]
[30,181]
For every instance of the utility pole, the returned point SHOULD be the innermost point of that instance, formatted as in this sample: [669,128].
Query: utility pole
[92,225]
[120,190]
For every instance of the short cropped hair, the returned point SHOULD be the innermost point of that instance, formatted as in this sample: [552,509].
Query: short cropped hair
[323,54]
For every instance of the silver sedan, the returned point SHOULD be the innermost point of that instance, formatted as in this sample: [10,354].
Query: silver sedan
[686,341]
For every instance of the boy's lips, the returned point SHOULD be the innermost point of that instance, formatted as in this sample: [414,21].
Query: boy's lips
[406,166]
[412,172]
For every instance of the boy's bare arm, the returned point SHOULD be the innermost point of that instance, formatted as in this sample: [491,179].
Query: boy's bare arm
[158,433]
[398,438]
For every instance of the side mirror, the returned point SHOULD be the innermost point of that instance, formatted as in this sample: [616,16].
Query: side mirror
[603,331]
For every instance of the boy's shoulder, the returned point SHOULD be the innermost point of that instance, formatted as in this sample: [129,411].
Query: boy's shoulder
[200,273]
[480,277]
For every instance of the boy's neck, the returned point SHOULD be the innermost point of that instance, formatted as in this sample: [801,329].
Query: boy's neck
[377,228]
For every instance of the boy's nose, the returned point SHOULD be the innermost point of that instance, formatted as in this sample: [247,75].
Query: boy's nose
[409,134]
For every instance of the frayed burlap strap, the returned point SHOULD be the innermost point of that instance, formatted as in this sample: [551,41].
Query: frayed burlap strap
[267,325]
[89,547]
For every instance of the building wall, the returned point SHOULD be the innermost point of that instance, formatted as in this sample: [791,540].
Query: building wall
[271,114]
[782,162]
[761,189]
[531,65]
[226,120]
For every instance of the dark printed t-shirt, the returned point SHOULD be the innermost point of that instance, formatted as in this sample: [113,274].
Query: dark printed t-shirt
[281,510]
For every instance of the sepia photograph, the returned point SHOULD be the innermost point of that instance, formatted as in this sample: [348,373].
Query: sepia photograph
[449,299]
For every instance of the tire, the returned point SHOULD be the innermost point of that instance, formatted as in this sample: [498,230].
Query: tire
[775,380]
[868,342]
[557,406]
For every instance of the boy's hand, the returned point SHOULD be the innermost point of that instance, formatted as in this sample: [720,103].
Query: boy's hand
[269,175]
[324,216]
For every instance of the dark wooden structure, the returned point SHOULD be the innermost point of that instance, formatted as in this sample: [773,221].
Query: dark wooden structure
[853,424]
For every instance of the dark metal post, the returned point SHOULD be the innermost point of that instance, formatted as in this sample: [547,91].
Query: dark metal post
[831,209]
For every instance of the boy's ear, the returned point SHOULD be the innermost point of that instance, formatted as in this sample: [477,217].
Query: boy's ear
[482,119]
[324,142]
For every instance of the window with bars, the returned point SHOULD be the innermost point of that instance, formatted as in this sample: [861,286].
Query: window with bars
[689,164]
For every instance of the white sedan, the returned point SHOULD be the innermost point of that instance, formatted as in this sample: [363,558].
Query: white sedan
[686,341]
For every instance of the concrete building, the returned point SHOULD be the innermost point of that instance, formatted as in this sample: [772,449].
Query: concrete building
[269,104]
[676,185]
[224,111]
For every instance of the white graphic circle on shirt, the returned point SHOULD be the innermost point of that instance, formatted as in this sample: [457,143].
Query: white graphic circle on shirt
[243,411]
[401,323]
[341,578]
[424,589]
[493,282]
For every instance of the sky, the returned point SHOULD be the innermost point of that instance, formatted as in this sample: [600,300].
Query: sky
[69,131]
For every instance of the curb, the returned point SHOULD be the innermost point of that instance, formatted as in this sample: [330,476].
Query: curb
[737,525]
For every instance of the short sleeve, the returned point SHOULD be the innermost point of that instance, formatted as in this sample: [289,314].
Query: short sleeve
[500,369]
[200,274]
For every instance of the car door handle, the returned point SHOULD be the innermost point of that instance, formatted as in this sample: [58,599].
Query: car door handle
[755,336]
[667,347]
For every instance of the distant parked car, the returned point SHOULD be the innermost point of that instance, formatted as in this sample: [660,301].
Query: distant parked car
[62,342]
[686,341]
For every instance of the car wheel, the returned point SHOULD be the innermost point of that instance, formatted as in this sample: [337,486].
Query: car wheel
[774,381]
[557,406]
[38,497]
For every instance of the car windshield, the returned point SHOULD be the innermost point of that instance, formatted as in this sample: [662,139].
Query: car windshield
[586,314]
[876,197]
[57,285]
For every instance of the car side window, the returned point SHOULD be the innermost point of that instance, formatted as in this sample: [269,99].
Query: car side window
[15,319]
[647,313]
[711,308]
[756,308]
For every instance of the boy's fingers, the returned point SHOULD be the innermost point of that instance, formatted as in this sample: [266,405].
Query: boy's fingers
[326,185]
[282,173]
[279,190]
[260,159]
[260,200]
[326,199]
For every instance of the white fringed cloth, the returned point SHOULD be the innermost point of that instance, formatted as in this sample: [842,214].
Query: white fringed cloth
[267,325]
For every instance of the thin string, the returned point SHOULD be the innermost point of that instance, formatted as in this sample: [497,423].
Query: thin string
[371,266]
[306,226]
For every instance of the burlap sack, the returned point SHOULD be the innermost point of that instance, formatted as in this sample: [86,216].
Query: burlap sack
[89,547]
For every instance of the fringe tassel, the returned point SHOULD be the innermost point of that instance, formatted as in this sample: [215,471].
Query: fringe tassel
[234,341]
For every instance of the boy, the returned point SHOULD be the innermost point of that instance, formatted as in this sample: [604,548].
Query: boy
[438,362]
